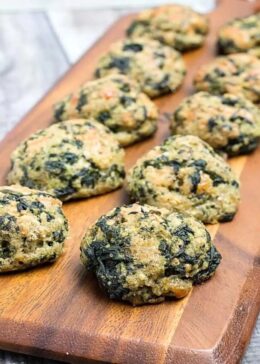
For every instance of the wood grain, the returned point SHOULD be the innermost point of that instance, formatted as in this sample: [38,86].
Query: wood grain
[58,311]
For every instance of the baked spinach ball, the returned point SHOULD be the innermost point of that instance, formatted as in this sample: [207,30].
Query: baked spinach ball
[238,74]
[158,69]
[241,35]
[174,25]
[115,101]
[142,254]
[32,228]
[72,159]
[229,123]
[184,174]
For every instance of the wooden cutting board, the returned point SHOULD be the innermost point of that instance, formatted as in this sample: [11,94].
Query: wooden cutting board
[59,312]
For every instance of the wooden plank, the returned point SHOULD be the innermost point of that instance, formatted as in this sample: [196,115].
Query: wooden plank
[81,323]
[31,61]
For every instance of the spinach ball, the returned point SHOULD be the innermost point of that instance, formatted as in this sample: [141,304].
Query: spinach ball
[72,159]
[143,254]
[185,174]
[175,25]
[229,123]
[115,101]
[157,68]
[33,228]
[237,74]
[240,35]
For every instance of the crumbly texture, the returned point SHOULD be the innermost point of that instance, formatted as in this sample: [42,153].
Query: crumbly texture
[71,159]
[143,254]
[185,174]
[238,74]
[157,68]
[228,123]
[115,101]
[241,35]
[32,228]
[174,25]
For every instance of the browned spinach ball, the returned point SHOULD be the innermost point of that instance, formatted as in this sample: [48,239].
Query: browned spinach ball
[175,25]
[185,174]
[142,254]
[72,159]
[241,35]
[158,69]
[32,228]
[115,101]
[237,74]
[229,123]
